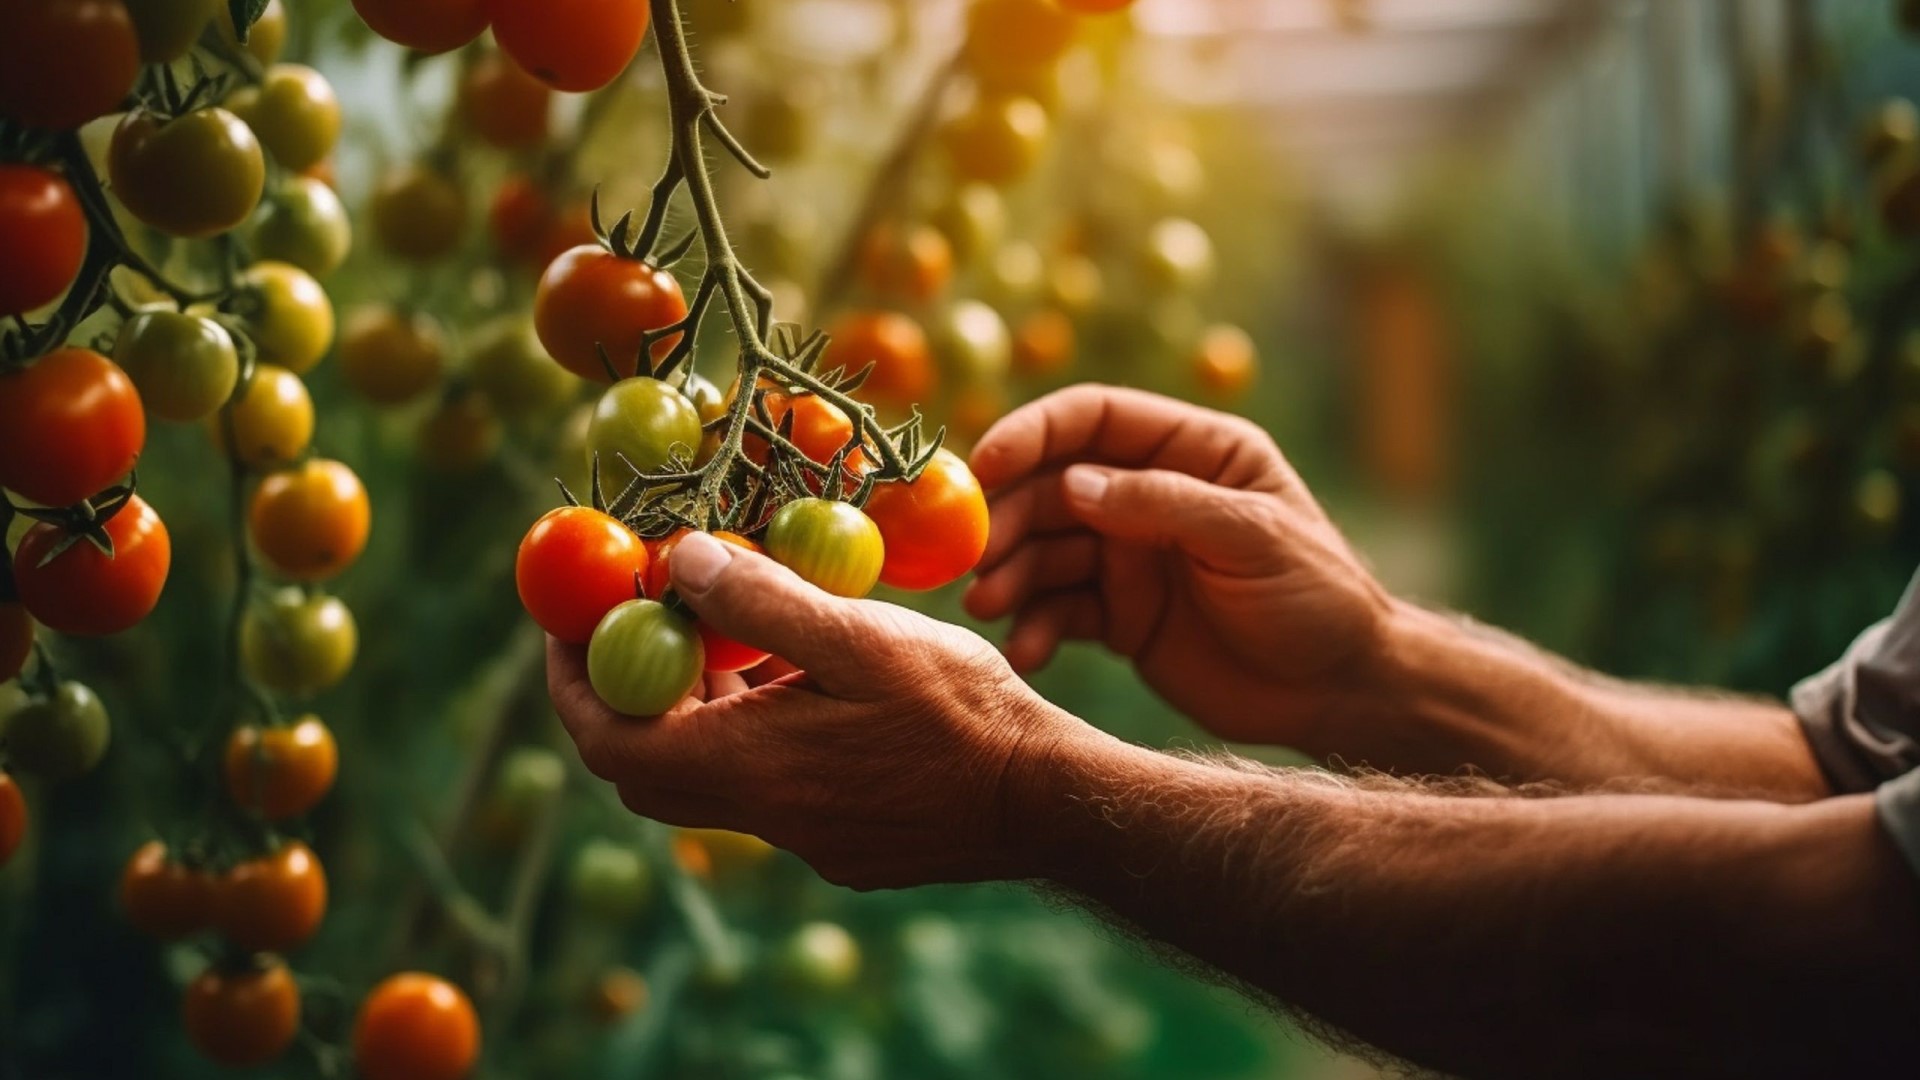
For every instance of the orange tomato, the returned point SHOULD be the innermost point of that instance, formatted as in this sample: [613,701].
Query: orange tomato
[243,1017]
[273,903]
[310,522]
[13,818]
[1043,344]
[934,528]
[571,45]
[589,299]
[916,263]
[163,898]
[820,429]
[281,772]
[723,653]
[416,1027]
[1225,362]
[896,346]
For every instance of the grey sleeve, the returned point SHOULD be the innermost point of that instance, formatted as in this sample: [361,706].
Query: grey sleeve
[1862,715]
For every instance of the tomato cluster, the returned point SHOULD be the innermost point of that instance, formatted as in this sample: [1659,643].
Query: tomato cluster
[571,45]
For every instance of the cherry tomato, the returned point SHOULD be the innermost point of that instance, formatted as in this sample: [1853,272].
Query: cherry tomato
[294,112]
[272,422]
[418,213]
[915,263]
[242,1017]
[1015,273]
[416,1027]
[184,366]
[820,429]
[934,528]
[610,881]
[643,658]
[1043,344]
[44,232]
[571,45]
[998,141]
[273,903]
[818,958]
[65,62]
[85,591]
[831,544]
[973,340]
[303,223]
[431,26]
[973,219]
[530,779]
[1225,362]
[1178,257]
[1013,36]
[519,217]
[310,522]
[13,818]
[58,737]
[591,297]
[70,425]
[711,404]
[390,357]
[288,315]
[168,28]
[575,565]
[296,644]
[265,38]
[894,344]
[513,371]
[163,898]
[191,176]
[1074,283]
[503,104]
[622,991]
[461,434]
[722,652]
[16,638]
[281,772]
[642,420]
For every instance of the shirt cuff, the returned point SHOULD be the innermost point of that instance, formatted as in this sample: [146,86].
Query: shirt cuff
[1898,804]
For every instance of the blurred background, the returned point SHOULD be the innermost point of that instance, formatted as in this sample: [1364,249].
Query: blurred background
[1588,317]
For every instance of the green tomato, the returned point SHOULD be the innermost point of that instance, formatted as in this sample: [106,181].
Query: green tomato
[304,224]
[643,658]
[974,342]
[818,958]
[184,366]
[288,315]
[513,371]
[58,737]
[1178,257]
[643,419]
[831,544]
[191,176]
[294,112]
[530,778]
[168,28]
[610,881]
[295,644]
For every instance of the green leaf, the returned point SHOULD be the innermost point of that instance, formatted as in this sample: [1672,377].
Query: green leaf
[245,13]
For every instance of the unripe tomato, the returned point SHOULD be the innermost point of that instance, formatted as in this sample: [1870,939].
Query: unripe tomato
[70,425]
[571,45]
[1016,35]
[296,644]
[309,522]
[294,112]
[973,341]
[643,658]
[16,638]
[281,772]
[820,428]
[818,958]
[163,898]
[185,366]
[916,263]
[265,38]
[973,219]
[903,371]
[415,1027]
[191,176]
[620,992]
[390,357]
[65,62]
[711,404]
[591,299]
[272,422]
[934,528]
[1225,362]
[722,652]
[58,737]
[83,590]
[513,371]
[244,1017]
[418,213]
[831,544]
[575,565]
[44,233]
[530,779]
[1043,344]
[431,26]
[503,104]
[998,141]
[13,817]
[644,421]
[302,223]
[168,28]
[460,434]
[1179,256]
[288,315]
[610,881]
[273,903]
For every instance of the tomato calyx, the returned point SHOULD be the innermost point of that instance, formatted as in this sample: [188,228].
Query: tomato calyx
[85,520]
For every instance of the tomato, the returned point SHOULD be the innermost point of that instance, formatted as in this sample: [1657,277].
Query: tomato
[725,853]
[530,780]
[431,26]
[831,544]
[296,644]
[44,232]
[818,958]
[973,219]
[281,772]
[265,38]
[610,881]
[415,1027]
[272,903]
[85,591]
[513,371]
[65,62]
[644,421]
[1043,344]
[571,45]
[309,522]
[974,342]
[643,658]
[711,404]
[915,263]
[242,1017]
[575,565]
[302,222]
[722,652]
[591,297]
[998,141]
[163,898]
[1015,274]
[418,213]
[1178,256]
[503,104]
[460,435]
[272,422]
[1225,362]
[184,366]
[288,315]
[620,992]
[168,28]
[16,638]
[1890,130]
[1015,35]
[390,357]
[294,112]
[192,176]
[1074,284]
[70,425]
[820,428]
[519,217]
[13,818]
[934,528]
[58,737]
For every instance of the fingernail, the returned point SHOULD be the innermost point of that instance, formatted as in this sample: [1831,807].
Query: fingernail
[697,560]
[1085,485]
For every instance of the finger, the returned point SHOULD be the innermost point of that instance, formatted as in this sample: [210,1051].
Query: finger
[1029,507]
[722,684]
[1043,564]
[1047,621]
[772,669]
[1236,533]
[756,601]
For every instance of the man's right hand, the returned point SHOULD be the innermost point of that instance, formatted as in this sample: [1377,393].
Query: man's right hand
[1182,539]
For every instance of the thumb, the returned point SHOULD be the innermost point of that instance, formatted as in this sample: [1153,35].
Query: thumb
[1229,531]
[756,601]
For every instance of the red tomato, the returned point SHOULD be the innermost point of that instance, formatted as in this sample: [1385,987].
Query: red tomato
[273,903]
[504,105]
[65,62]
[13,817]
[723,653]
[591,297]
[935,528]
[85,591]
[242,1017]
[162,898]
[44,233]
[903,369]
[575,565]
[416,1027]
[518,217]
[431,26]
[16,638]
[571,45]
[70,425]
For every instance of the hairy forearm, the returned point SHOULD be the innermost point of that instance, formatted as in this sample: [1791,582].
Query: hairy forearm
[1578,936]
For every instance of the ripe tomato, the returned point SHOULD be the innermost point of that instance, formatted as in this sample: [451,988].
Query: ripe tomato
[460,435]
[191,176]
[610,881]
[643,658]
[85,591]
[831,544]
[571,45]
[303,223]
[272,422]
[273,903]
[998,141]
[390,357]
[1178,256]
[65,62]
[288,315]
[894,344]
[58,737]
[13,818]
[509,367]
[915,263]
[281,772]
[294,112]
[589,296]
[16,638]
[44,232]
[296,644]
[1011,37]
[518,217]
[168,28]
[265,38]
[973,340]
[310,522]
[935,528]
[242,1017]
[722,652]
[162,898]
[415,1027]
[643,420]
[575,565]
[70,425]
[184,366]
[1043,344]
[418,213]
[1225,362]
[431,26]
[820,429]
[503,104]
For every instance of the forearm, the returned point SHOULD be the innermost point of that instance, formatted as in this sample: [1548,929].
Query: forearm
[1603,936]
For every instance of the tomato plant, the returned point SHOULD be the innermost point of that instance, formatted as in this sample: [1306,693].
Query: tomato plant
[65,62]
[310,522]
[831,544]
[162,897]
[998,141]
[271,423]
[243,1016]
[281,772]
[389,356]
[610,881]
[934,527]
[70,425]
[44,233]
[508,365]
[191,176]
[643,658]
[272,903]
[303,223]
[84,590]
[13,818]
[185,366]
[288,315]
[643,420]
[502,104]
[16,638]
[60,736]
[298,644]
[418,213]
[294,113]
[575,565]
[415,1027]
[722,652]
[571,45]
[591,299]
[431,26]
[1225,361]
